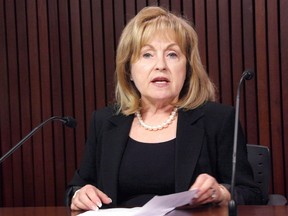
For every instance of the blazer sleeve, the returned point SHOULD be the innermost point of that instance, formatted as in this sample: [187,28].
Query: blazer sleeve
[246,190]
[87,172]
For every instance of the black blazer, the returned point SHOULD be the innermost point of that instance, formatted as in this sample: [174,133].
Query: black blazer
[204,144]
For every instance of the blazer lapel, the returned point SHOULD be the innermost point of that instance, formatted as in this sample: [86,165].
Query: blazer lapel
[115,140]
[189,141]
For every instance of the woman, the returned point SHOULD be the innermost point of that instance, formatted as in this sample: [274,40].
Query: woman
[165,134]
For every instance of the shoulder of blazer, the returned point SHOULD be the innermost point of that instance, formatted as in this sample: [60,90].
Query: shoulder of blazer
[215,107]
[209,113]
[109,115]
[216,113]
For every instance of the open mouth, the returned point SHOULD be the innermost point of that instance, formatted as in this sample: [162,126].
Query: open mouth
[160,80]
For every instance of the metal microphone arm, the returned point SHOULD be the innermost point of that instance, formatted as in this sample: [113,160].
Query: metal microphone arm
[232,206]
[68,121]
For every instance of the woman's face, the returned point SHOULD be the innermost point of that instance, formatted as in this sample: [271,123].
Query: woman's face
[159,72]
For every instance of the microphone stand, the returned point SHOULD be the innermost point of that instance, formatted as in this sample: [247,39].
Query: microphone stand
[232,205]
[67,121]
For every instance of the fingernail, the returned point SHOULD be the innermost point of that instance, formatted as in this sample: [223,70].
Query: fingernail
[99,204]
[95,208]
[110,200]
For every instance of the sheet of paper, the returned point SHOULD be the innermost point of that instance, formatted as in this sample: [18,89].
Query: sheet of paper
[157,206]
[161,205]
[112,212]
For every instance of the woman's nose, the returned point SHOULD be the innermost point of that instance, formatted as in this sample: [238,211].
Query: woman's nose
[161,64]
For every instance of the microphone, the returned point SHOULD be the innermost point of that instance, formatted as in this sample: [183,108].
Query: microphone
[232,205]
[67,121]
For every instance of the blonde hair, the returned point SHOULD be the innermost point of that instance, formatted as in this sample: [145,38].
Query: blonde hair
[197,88]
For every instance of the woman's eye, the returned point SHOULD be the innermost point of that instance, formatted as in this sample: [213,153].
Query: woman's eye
[147,55]
[172,55]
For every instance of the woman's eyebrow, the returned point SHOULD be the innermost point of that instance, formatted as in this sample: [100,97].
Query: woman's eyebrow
[167,47]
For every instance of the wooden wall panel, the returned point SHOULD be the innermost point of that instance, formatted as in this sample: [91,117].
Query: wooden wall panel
[283,6]
[262,78]
[249,107]
[98,49]
[275,93]
[57,57]
[224,52]
[38,175]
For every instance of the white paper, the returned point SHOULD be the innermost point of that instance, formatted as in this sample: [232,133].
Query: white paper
[161,205]
[112,212]
[157,206]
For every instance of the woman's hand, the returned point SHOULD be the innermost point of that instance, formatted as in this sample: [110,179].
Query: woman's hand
[209,191]
[89,198]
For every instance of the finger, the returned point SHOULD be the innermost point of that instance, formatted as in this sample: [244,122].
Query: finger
[78,204]
[81,200]
[73,207]
[203,183]
[207,189]
[77,207]
[97,196]
[92,194]
[103,197]
[207,197]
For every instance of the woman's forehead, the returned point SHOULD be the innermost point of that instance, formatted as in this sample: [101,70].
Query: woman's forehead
[160,35]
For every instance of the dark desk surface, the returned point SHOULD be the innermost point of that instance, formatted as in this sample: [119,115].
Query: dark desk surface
[207,211]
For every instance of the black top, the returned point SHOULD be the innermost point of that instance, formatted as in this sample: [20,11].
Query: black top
[146,170]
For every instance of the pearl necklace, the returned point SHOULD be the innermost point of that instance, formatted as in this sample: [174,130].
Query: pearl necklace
[157,127]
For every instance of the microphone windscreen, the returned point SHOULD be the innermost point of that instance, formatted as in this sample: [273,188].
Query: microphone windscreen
[248,74]
[70,122]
